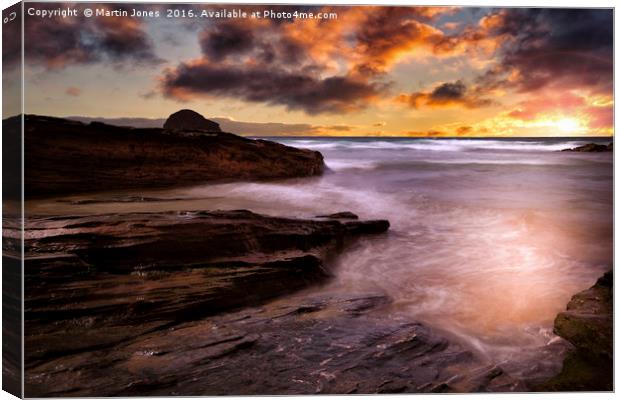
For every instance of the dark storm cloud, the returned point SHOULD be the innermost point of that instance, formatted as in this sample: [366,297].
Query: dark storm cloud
[75,40]
[565,47]
[240,41]
[444,95]
[294,90]
[226,39]
[449,91]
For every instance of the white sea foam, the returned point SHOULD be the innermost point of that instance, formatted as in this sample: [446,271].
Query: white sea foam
[433,144]
[339,165]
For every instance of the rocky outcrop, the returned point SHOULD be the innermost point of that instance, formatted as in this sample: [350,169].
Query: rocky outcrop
[587,324]
[66,157]
[190,120]
[325,344]
[96,281]
[592,148]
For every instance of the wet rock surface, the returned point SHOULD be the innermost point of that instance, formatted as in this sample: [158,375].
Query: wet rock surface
[587,324]
[323,344]
[95,281]
[67,157]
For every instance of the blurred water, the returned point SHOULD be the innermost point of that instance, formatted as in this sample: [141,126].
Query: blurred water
[489,238]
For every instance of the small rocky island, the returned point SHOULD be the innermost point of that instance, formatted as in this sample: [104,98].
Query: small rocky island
[592,148]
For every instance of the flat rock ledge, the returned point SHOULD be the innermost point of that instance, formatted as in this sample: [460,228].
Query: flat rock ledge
[95,281]
[66,157]
[587,324]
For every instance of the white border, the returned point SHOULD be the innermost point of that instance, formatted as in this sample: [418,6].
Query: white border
[479,3]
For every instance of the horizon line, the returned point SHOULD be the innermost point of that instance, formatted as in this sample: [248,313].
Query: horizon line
[330,136]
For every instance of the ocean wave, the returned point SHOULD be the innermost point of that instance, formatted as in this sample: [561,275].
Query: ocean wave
[339,165]
[445,145]
[344,165]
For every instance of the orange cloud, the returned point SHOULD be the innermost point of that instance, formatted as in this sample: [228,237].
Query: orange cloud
[318,66]
[389,33]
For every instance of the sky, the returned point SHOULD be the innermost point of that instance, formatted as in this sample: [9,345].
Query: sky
[372,71]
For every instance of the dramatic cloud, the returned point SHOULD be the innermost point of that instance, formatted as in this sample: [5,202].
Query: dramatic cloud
[76,40]
[387,33]
[226,39]
[317,66]
[296,91]
[445,95]
[563,48]
[521,71]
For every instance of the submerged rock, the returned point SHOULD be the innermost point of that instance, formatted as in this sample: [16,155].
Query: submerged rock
[67,157]
[592,148]
[190,120]
[587,324]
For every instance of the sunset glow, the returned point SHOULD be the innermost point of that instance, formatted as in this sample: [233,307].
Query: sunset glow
[388,71]
[568,125]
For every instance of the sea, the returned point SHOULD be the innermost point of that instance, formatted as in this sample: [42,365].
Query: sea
[489,238]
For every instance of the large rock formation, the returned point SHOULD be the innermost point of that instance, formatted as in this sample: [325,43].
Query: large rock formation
[587,324]
[66,157]
[190,120]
